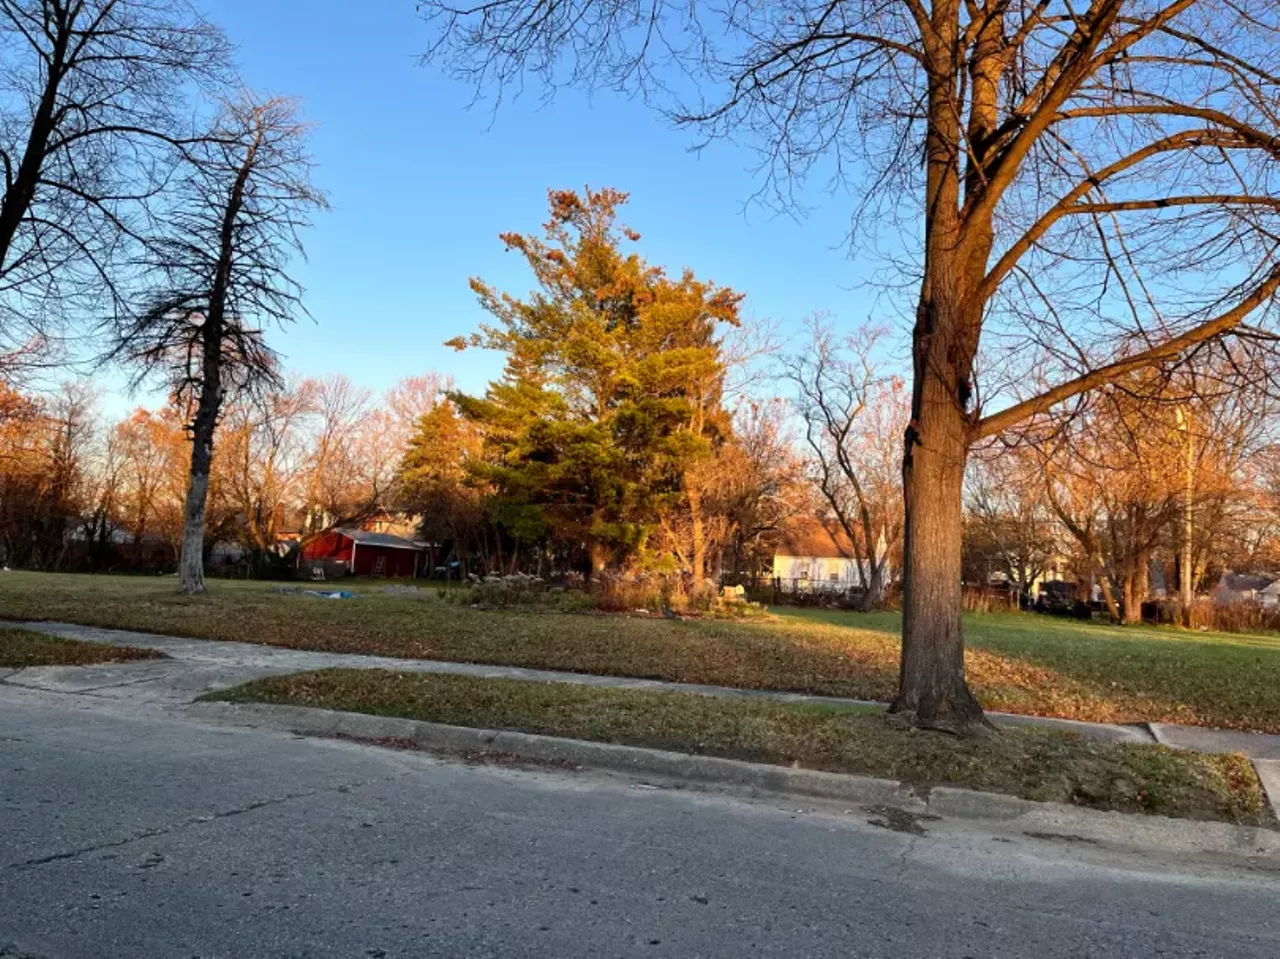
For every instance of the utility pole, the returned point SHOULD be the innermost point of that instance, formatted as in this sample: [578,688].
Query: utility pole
[1186,598]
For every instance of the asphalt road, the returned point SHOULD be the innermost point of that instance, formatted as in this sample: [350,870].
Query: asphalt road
[138,832]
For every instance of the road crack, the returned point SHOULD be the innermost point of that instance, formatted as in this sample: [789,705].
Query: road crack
[192,821]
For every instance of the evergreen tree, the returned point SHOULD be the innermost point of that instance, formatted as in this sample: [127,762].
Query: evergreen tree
[613,383]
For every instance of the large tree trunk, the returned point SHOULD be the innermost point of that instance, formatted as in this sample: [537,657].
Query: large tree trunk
[932,690]
[209,404]
[875,589]
[1130,612]
[1136,586]
[1142,581]
[191,559]
[931,687]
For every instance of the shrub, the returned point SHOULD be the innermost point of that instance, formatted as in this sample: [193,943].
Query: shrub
[610,592]
[516,589]
[630,592]
[1243,617]
[737,609]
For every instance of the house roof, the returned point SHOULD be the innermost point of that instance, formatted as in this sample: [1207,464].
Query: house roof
[365,538]
[812,537]
[1245,582]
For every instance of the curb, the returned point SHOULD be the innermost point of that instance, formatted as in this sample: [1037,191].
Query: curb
[1039,819]
[626,759]
[1268,771]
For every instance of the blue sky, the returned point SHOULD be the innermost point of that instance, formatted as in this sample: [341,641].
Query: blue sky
[421,186]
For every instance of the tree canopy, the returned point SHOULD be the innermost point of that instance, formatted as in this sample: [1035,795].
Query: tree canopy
[613,382]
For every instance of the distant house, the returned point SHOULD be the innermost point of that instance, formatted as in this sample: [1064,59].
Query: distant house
[396,523]
[1270,595]
[361,553]
[1245,588]
[817,556]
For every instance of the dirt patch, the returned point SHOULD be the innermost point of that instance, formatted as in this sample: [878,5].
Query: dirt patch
[899,820]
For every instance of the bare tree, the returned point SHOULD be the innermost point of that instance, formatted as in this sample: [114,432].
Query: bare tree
[1112,488]
[266,441]
[144,445]
[1155,463]
[44,444]
[412,398]
[93,108]
[1009,511]
[335,487]
[220,275]
[1083,190]
[853,419]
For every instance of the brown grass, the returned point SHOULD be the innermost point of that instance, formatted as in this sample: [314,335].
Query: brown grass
[20,648]
[1021,663]
[1034,764]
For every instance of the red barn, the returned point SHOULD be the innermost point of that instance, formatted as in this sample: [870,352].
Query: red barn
[363,553]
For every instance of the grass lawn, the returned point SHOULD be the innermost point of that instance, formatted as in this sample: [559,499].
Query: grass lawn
[20,648]
[1018,662]
[1035,764]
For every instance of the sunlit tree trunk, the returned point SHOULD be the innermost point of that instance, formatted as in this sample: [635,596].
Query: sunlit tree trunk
[931,683]
[698,561]
[1108,594]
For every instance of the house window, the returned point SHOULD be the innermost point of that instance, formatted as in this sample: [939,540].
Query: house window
[834,577]
[802,572]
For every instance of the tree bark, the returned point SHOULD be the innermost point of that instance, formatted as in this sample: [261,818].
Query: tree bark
[932,688]
[698,562]
[931,683]
[1142,581]
[1137,580]
[191,559]
[875,588]
[212,330]
[1108,595]
[1131,613]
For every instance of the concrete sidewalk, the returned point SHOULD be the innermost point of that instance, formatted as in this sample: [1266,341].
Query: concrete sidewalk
[198,666]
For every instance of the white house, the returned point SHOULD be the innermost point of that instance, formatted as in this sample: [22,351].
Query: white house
[1269,595]
[1245,588]
[817,556]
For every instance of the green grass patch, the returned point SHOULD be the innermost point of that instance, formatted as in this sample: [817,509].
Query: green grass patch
[1018,662]
[20,648]
[1034,764]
